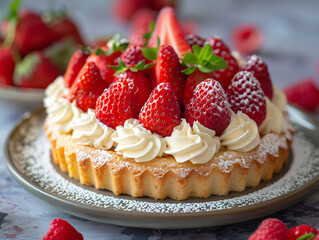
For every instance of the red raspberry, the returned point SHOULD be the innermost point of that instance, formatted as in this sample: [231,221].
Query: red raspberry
[220,49]
[259,69]
[62,230]
[209,106]
[245,94]
[270,229]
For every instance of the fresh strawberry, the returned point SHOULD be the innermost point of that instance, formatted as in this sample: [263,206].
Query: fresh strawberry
[62,230]
[88,86]
[220,49]
[32,34]
[103,61]
[304,93]
[161,112]
[168,69]
[65,27]
[118,103]
[300,230]
[270,229]
[192,81]
[35,71]
[169,32]
[192,39]
[247,38]
[7,65]
[143,87]
[245,94]
[133,55]
[75,65]
[209,106]
[259,69]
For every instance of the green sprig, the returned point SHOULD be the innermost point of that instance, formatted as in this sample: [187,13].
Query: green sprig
[151,53]
[148,35]
[203,59]
[114,45]
[121,68]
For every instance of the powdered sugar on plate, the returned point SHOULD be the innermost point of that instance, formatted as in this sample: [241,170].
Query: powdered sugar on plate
[29,151]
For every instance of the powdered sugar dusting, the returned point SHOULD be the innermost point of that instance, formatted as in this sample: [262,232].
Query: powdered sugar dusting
[30,152]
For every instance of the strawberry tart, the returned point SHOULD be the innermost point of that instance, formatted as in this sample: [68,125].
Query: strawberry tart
[178,116]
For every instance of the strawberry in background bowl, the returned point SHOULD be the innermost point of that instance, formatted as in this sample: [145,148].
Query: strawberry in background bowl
[34,50]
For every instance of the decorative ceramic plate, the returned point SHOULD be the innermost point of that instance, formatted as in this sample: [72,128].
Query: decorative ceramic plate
[28,158]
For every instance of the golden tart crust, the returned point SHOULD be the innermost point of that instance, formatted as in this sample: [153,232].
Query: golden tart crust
[164,177]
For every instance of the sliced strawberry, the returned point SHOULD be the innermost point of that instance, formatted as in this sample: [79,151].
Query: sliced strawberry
[32,34]
[103,61]
[7,65]
[67,28]
[75,65]
[88,86]
[246,95]
[192,81]
[169,32]
[133,55]
[168,69]
[161,112]
[259,69]
[35,71]
[220,49]
[143,87]
[118,103]
[304,93]
[209,106]
[247,38]
[300,230]
[270,229]
[192,39]
[62,230]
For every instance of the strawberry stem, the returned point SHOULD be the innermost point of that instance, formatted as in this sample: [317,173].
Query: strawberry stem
[12,19]
[308,236]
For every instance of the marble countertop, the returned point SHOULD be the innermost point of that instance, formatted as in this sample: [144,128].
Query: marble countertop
[291,50]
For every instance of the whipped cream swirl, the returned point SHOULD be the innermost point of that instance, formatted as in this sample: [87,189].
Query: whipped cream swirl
[279,99]
[134,141]
[274,121]
[54,91]
[241,134]
[197,144]
[63,113]
[88,130]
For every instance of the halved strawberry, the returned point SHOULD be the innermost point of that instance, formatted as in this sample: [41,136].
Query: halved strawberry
[192,39]
[304,93]
[209,106]
[246,95]
[220,49]
[117,103]
[35,71]
[259,69]
[168,69]
[88,86]
[247,38]
[169,32]
[161,112]
[75,65]
[102,61]
[142,84]
[7,65]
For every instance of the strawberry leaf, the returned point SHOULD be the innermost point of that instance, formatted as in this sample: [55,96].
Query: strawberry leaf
[147,35]
[123,68]
[203,59]
[12,19]
[151,53]
[308,236]
[115,44]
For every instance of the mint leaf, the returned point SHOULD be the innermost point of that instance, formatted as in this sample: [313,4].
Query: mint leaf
[123,68]
[203,59]
[148,35]
[151,53]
